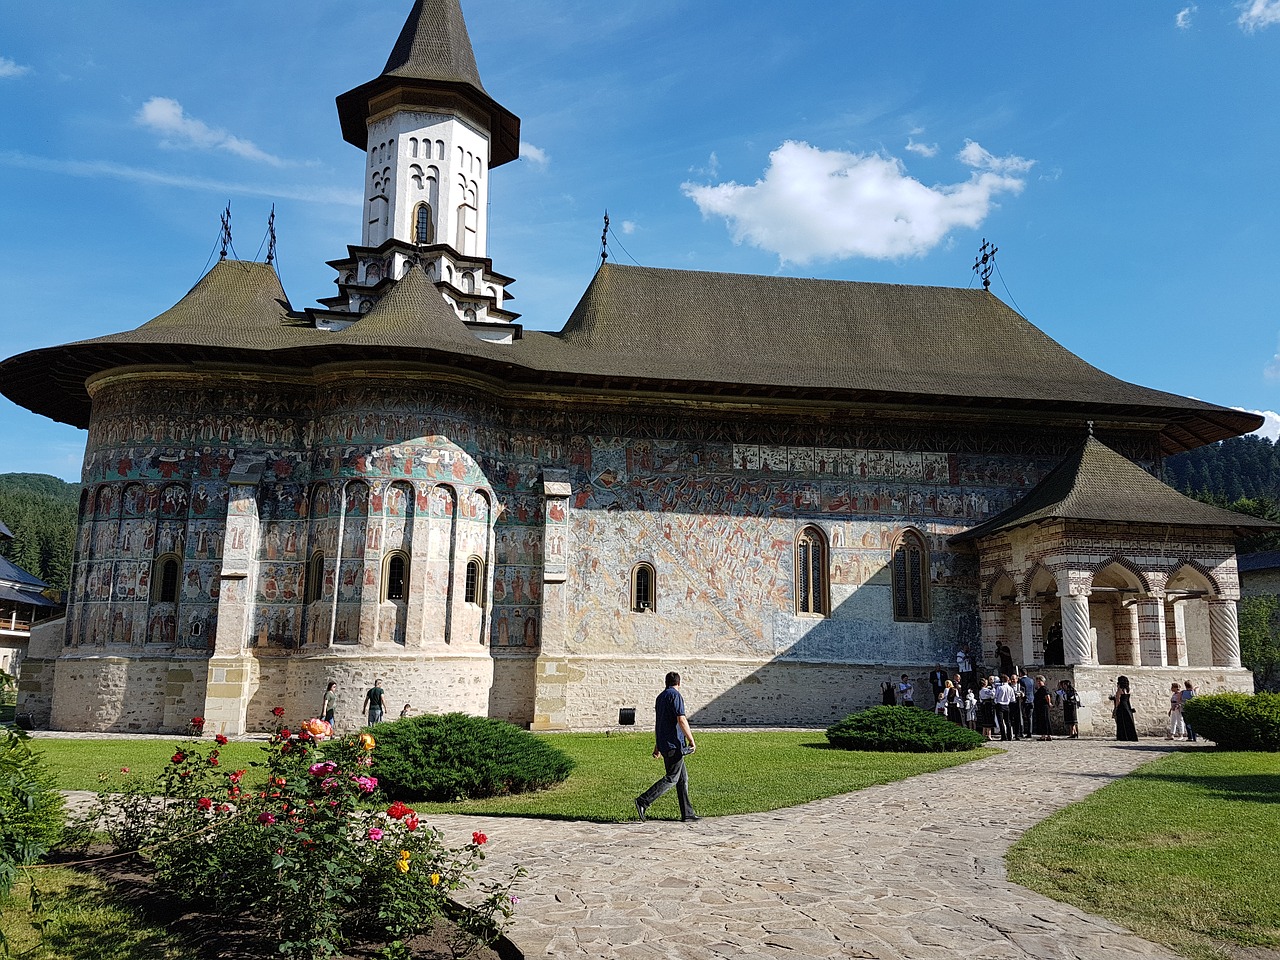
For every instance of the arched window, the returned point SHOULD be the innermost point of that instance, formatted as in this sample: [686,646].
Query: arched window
[164,578]
[423,230]
[395,579]
[473,590]
[811,573]
[911,578]
[311,590]
[643,581]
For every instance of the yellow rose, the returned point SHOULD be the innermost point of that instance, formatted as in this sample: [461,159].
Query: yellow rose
[402,866]
[435,879]
[367,741]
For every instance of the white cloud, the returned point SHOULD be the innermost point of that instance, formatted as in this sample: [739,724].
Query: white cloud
[814,204]
[166,117]
[628,227]
[10,68]
[1183,19]
[1271,427]
[535,155]
[1257,14]
[712,169]
[924,149]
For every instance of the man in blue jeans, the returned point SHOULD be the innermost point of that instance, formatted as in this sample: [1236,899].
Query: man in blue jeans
[672,740]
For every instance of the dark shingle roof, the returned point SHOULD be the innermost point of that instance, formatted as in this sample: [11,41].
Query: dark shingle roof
[432,56]
[1263,560]
[11,573]
[1097,484]
[662,332]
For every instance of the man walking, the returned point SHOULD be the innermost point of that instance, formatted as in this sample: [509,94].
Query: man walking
[1188,692]
[373,702]
[672,740]
[1005,706]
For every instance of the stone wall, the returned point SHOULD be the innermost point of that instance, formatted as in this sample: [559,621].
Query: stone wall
[1149,693]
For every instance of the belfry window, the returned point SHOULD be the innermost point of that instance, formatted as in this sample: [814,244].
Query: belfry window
[473,589]
[811,573]
[642,588]
[911,579]
[422,227]
[396,579]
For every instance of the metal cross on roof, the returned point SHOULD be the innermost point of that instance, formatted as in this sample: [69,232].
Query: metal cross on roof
[604,239]
[271,235]
[226,231]
[985,263]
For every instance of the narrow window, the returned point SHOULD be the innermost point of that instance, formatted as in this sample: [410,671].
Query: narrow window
[314,578]
[911,579]
[811,572]
[642,588]
[422,224]
[473,591]
[397,577]
[164,579]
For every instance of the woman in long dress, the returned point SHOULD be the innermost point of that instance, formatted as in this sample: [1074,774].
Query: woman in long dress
[1123,713]
[1070,708]
[1040,703]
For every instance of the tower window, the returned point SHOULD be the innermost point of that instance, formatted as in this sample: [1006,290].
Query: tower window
[811,572]
[422,227]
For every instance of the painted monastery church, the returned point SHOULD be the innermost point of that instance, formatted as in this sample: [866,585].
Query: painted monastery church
[786,489]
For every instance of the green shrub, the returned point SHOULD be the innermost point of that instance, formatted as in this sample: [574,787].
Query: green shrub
[1236,721]
[901,730]
[455,756]
[30,807]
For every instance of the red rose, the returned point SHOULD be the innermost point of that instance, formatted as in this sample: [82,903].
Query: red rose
[277,711]
[178,757]
[220,740]
[411,822]
[204,803]
[479,839]
[397,810]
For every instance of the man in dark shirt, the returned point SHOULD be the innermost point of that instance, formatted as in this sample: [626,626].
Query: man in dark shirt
[672,740]
[373,702]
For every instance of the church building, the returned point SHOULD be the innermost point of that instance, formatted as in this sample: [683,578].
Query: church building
[786,489]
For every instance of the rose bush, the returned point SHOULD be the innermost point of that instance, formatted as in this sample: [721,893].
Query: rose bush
[292,844]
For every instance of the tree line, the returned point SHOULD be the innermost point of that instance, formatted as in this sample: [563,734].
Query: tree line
[40,511]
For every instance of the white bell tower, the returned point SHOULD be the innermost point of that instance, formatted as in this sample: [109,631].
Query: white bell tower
[431,136]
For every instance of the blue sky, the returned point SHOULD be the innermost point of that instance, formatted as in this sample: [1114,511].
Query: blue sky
[1122,157]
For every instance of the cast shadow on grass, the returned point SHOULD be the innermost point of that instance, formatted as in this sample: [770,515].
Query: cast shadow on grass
[1251,788]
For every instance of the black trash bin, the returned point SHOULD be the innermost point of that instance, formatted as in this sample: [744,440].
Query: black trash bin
[627,717]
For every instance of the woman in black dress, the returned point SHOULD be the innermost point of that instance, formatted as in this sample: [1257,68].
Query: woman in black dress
[1123,712]
[1070,708]
[1040,703]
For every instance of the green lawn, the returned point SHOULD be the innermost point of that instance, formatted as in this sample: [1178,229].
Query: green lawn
[1185,851]
[730,773]
[96,764]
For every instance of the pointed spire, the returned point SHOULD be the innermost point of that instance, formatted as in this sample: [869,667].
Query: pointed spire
[434,45]
[431,64]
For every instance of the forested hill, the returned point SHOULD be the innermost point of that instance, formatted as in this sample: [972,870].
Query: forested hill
[40,512]
[1240,468]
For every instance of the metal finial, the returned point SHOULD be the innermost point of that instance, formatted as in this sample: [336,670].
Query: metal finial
[226,231]
[1090,422]
[271,235]
[985,263]
[604,239]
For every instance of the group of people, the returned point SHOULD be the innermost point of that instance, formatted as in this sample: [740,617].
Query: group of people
[1016,704]
[1122,711]
[373,708]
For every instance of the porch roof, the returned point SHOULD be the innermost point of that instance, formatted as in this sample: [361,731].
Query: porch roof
[1097,484]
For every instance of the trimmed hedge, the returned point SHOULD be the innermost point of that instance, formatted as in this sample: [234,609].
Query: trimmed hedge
[455,756]
[1236,721]
[902,730]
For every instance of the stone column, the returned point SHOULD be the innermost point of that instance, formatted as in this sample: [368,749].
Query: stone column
[1128,650]
[1032,625]
[1077,641]
[1175,631]
[1151,631]
[1224,633]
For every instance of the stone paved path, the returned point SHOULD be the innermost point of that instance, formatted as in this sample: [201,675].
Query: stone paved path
[908,870]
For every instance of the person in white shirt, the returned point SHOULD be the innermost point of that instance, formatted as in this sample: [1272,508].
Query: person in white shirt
[906,692]
[1005,702]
